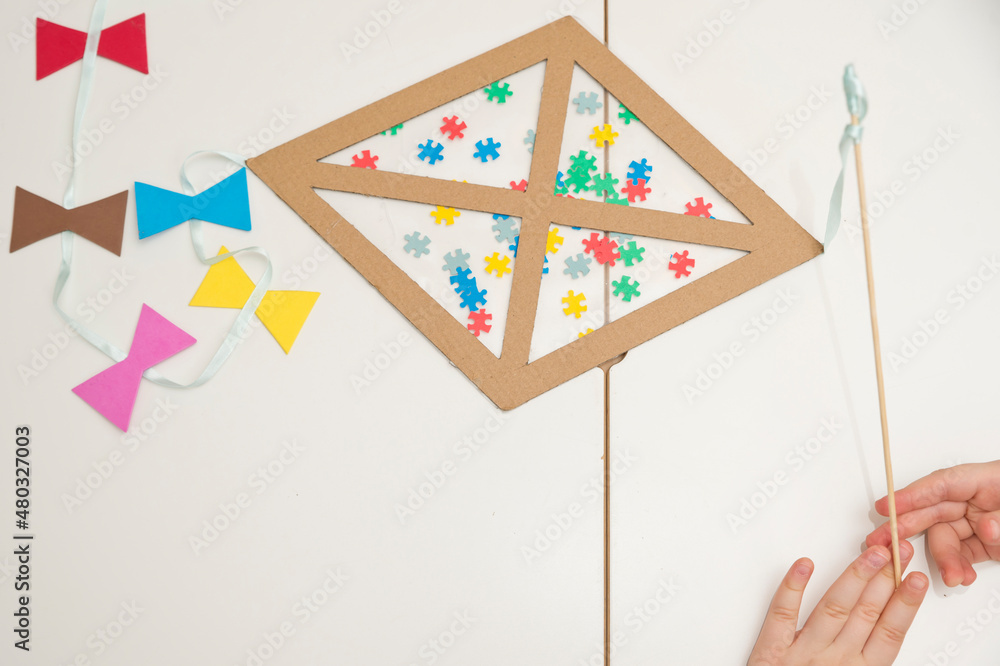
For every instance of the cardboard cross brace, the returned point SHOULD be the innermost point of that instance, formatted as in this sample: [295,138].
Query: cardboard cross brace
[774,241]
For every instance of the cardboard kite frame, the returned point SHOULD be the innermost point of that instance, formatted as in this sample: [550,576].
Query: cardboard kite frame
[775,243]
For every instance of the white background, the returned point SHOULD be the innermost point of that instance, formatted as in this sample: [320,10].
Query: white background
[223,75]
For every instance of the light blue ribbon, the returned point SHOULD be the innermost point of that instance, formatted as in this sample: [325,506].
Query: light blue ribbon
[239,328]
[857,104]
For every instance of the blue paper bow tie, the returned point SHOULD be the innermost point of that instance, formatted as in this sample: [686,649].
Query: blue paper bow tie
[226,203]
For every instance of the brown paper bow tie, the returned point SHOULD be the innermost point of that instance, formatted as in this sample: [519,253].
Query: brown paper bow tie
[101,222]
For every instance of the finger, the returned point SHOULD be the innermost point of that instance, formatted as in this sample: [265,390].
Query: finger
[832,611]
[887,636]
[956,484]
[988,529]
[915,522]
[979,552]
[871,604]
[782,617]
[946,549]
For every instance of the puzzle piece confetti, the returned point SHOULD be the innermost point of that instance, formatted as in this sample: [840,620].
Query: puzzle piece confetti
[579,181]
[560,185]
[365,160]
[604,185]
[457,259]
[498,265]
[522,186]
[553,241]
[504,228]
[639,170]
[603,248]
[417,244]
[699,208]
[680,264]
[635,189]
[631,254]
[453,128]
[446,215]
[589,330]
[478,322]
[530,141]
[625,288]
[603,135]
[488,150]
[465,286]
[392,130]
[626,115]
[498,93]
[430,151]
[577,266]
[587,103]
[574,304]
[582,161]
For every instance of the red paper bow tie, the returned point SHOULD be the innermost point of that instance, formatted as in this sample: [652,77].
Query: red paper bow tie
[58,46]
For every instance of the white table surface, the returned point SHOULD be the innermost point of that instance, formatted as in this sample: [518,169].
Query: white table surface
[451,584]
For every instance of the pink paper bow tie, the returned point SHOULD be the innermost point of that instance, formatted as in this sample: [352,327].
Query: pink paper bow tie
[113,391]
[57,46]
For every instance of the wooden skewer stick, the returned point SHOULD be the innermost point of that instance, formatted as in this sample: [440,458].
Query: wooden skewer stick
[893,524]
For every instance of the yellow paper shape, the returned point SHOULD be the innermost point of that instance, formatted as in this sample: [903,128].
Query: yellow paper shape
[283,313]
[225,286]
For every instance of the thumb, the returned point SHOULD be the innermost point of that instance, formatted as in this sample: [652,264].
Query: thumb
[988,529]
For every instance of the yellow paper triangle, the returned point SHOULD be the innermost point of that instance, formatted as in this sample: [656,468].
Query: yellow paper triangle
[284,313]
[226,285]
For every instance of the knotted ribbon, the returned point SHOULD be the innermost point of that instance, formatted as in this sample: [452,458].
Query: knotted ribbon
[857,104]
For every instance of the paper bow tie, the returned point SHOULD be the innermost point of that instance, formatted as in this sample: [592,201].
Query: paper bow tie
[226,203]
[113,391]
[57,46]
[35,218]
[283,313]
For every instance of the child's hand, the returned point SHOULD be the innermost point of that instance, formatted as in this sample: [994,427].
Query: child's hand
[960,509]
[861,621]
